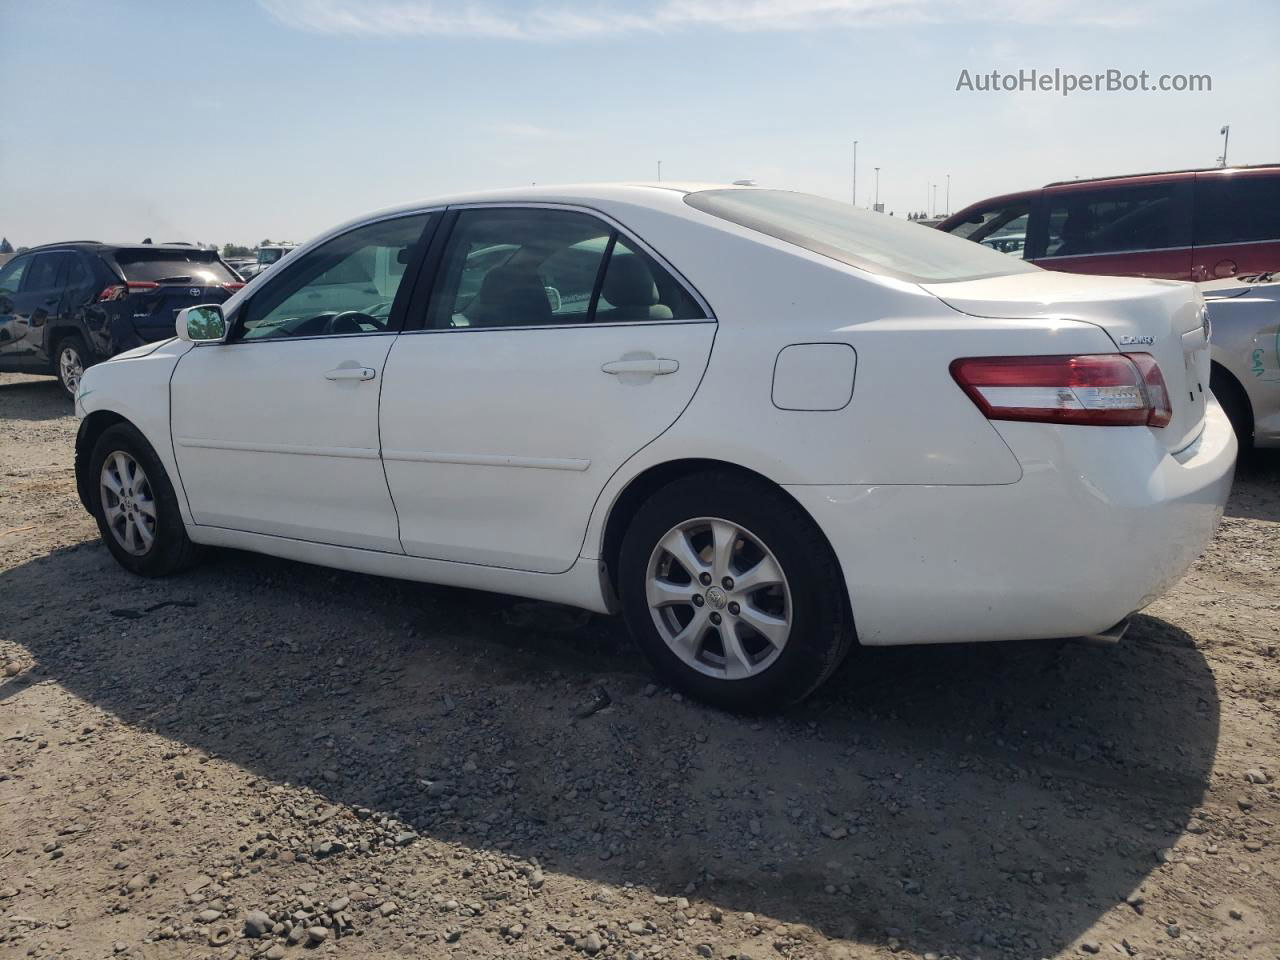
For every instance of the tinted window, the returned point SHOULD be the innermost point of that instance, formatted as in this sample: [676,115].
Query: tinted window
[1002,228]
[534,267]
[1116,220]
[1237,209]
[77,272]
[44,272]
[173,266]
[869,241]
[345,286]
[11,274]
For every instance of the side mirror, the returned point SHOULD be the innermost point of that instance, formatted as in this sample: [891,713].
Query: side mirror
[203,324]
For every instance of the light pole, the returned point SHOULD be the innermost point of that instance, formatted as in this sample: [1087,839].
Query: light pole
[876,204]
[854,195]
[948,210]
[1226,135]
[934,212]
[659,171]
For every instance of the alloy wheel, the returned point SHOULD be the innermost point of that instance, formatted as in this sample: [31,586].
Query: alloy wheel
[70,368]
[719,598]
[128,503]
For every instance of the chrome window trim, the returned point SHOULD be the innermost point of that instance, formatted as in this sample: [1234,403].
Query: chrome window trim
[558,326]
[1114,253]
[1233,243]
[623,231]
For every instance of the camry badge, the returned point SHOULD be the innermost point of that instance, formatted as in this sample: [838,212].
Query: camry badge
[1128,339]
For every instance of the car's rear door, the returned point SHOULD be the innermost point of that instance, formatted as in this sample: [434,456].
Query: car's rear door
[1132,228]
[1237,223]
[276,430]
[553,348]
[13,322]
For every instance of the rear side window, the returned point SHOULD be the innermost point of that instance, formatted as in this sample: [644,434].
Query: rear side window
[44,272]
[173,266]
[529,267]
[1237,209]
[1117,220]
[870,241]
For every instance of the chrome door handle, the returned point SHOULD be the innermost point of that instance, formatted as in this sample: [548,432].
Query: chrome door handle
[657,367]
[351,373]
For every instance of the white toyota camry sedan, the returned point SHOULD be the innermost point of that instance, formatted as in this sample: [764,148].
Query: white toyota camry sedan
[761,425]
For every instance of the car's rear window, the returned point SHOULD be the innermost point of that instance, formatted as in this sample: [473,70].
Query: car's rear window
[173,266]
[875,242]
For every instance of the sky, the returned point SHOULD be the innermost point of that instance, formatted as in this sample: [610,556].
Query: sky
[241,120]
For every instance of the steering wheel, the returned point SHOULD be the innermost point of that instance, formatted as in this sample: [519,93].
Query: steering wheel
[352,321]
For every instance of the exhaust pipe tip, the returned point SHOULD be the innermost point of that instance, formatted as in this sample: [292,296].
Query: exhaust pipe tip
[1109,637]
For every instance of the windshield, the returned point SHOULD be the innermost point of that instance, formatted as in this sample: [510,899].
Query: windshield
[870,241]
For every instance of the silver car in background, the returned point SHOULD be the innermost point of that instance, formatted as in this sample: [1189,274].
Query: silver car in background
[1245,353]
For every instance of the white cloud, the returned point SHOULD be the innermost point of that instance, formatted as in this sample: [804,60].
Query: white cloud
[562,20]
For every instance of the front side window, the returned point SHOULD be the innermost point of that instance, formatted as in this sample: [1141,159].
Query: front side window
[1237,209]
[1002,228]
[526,267]
[345,286]
[869,241]
[11,274]
[1116,220]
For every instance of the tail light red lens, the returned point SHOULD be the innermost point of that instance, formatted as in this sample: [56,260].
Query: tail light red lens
[233,286]
[1112,389]
[118,291]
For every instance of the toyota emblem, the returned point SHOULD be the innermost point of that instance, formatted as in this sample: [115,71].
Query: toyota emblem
[195,291]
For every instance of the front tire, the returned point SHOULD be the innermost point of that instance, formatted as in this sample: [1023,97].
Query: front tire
[136,507]
[70,360]
[732,592]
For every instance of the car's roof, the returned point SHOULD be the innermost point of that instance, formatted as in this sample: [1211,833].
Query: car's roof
[1170,174]
[99,246]
[655,193]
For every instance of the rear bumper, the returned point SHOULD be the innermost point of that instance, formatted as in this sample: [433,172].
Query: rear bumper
[1103,521]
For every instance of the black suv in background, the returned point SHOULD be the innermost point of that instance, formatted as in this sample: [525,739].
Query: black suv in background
[66,306]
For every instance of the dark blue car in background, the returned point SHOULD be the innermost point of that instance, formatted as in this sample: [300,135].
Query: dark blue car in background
[67,306]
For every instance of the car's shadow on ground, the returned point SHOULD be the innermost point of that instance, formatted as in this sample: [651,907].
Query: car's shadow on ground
[1253,494]
[995,799]
[36,399]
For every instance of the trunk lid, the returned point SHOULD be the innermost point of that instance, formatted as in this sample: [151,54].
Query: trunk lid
[1164,318]
[164,279]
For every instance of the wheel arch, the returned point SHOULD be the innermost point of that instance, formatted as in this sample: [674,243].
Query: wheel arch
[91,428]
[60,332]
[644,484]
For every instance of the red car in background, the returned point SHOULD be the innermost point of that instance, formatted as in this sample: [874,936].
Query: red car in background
[1183,225]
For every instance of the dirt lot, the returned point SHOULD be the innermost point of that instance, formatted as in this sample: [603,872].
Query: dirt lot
[392,769]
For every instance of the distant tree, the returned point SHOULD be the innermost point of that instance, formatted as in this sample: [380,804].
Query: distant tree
[5,245]
[265,243]
[22,250]
[236,250]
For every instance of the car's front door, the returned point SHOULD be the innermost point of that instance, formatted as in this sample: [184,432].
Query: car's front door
[276,429]
[13,324]
[30,308]
[553,348]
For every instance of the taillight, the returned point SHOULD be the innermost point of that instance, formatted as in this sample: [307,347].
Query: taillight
[118,291]
[1111,389]
[232,286]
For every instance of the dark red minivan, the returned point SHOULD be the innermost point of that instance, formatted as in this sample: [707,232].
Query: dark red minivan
[1184,225]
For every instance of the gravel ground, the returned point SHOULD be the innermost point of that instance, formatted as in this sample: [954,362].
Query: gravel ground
[262,758]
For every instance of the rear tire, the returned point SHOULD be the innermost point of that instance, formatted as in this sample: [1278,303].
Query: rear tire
[71,358]
[733,593]
[1235,404]
[136,506]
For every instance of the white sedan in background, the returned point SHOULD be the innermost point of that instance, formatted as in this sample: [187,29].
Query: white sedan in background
[1245,313]
[762,425]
